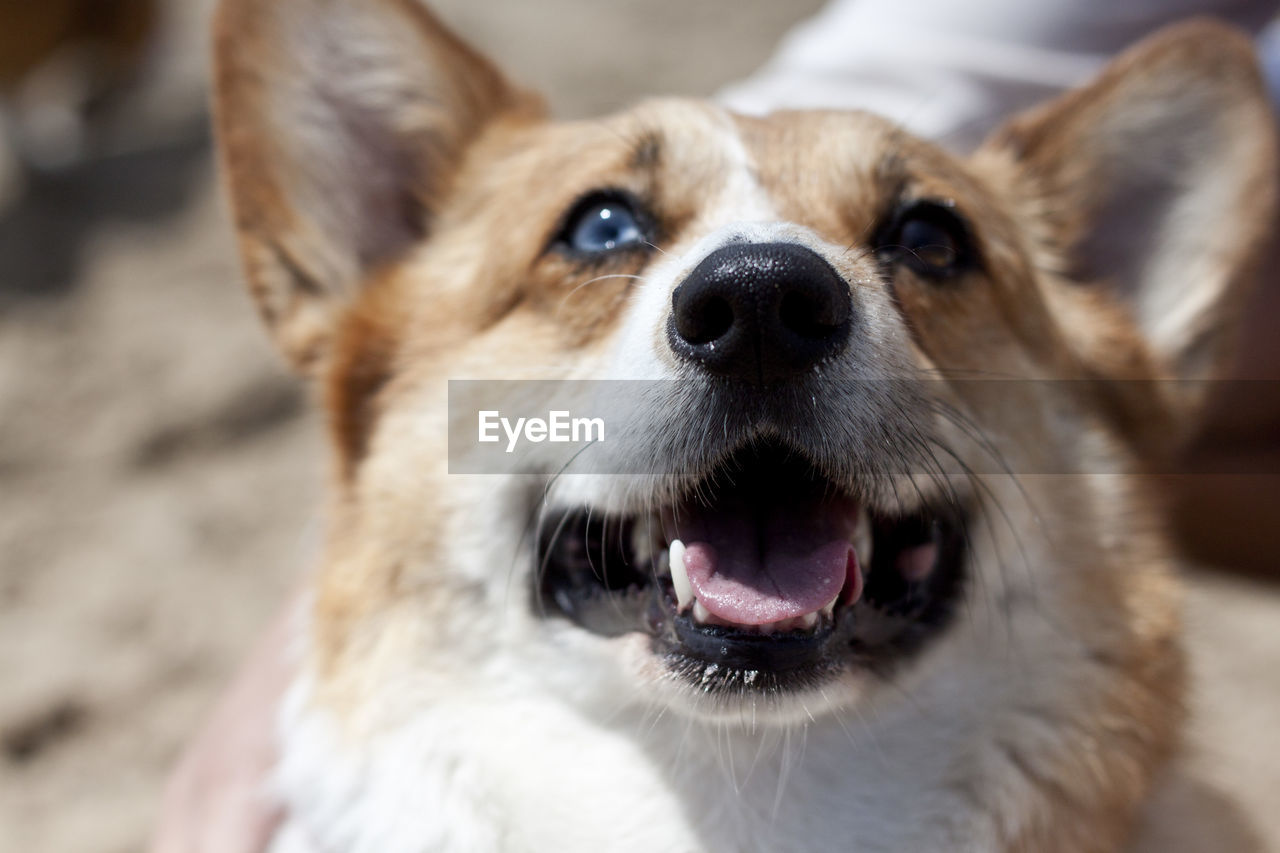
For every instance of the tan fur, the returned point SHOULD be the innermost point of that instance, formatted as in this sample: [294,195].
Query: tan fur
[475,295]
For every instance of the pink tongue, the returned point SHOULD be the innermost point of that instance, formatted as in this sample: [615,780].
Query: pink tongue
[755,565]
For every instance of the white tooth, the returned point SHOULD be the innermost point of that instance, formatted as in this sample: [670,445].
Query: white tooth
[700,614]
[679,575]
[808,622]
[829,608]
[862,540]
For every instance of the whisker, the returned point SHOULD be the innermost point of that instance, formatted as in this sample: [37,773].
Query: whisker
[606,277]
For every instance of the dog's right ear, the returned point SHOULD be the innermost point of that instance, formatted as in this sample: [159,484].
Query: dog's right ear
[1158,183]
[340,123]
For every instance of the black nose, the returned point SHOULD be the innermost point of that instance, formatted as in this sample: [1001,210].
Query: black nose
[762,312]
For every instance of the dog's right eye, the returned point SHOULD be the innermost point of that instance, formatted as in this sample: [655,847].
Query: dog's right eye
[604,222]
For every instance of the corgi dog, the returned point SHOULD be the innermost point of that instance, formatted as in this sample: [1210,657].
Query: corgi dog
[875,559]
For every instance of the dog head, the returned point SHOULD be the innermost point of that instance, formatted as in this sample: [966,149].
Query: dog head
[861,364]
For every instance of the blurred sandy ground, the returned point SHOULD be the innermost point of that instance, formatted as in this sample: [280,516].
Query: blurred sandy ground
[159,471]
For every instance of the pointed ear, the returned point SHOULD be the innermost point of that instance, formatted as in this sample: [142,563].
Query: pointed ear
[340,123]
[1158,181]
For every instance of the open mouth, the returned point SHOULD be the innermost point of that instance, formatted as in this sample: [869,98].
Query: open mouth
[765,575]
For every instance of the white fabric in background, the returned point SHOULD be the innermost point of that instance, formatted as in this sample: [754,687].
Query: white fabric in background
[949,70]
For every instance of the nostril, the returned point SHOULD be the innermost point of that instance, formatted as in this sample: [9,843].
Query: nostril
[703,318]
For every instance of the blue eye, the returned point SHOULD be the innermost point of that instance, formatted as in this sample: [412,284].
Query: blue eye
[602,224]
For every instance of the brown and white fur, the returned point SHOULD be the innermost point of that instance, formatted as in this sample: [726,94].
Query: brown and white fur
[398,201]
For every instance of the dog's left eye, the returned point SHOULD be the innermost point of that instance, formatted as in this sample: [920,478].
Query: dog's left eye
[602,223]
[930,237]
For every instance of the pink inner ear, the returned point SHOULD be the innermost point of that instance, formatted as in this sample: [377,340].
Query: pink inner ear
[378,179]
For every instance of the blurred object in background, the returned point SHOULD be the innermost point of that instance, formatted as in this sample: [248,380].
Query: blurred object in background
[102,120]
[63,63]
[82,80]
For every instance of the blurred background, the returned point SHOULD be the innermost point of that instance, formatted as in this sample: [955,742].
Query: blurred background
[159,470]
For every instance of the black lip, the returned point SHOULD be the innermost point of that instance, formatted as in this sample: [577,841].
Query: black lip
[734,649]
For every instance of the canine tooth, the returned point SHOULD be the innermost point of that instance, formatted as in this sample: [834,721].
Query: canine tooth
[829,608]
[680,575]
[700,613]
[808,622]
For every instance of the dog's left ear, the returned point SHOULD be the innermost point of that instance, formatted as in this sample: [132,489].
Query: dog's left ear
[1157,181]
[340,125]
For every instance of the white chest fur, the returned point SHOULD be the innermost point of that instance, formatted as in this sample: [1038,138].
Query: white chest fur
[480,772]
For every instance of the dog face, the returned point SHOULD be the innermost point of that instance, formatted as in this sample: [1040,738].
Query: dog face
[865,365]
